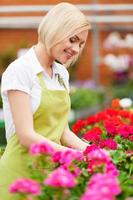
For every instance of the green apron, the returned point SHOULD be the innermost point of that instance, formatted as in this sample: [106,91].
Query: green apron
[49,121]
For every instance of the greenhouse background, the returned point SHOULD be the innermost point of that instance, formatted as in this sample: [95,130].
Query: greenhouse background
[104,71]
[101,93]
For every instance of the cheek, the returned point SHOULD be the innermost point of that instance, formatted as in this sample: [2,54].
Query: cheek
[57,52]
[54,51]
[58,48]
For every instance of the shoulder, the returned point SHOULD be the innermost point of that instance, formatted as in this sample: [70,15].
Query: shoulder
[21,68]
[20,65]
[18,75]
[61,69]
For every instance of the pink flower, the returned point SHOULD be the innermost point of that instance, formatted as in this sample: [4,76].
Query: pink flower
[102,186]
[110,143]
[25,186]
[111,168]
[61,178]
[94,165]
[67,157]
[100,160]
[57,156]
[99,154]
[90,148]
[41,148]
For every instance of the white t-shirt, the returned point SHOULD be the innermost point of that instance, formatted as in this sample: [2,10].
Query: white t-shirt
[22,75]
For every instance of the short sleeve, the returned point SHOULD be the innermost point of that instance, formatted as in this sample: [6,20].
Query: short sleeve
[16,77]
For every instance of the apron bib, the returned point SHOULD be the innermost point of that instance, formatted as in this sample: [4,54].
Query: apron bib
[50,120]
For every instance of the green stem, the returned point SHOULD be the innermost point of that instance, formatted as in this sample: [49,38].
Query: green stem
[130,171]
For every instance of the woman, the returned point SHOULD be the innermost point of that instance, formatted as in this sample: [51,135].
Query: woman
[35,93]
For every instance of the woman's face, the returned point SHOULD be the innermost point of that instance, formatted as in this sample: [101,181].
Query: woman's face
[69,47]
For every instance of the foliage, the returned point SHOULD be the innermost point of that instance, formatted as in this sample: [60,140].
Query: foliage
[119,91]
[83,98]
[91,174]
[112,129]
[69,175]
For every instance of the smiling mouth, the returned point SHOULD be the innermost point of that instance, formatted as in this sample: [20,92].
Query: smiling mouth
[69,55]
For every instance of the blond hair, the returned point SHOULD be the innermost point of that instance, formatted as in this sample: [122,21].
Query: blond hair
[60,22]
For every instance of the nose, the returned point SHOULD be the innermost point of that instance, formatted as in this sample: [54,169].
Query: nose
[76,48]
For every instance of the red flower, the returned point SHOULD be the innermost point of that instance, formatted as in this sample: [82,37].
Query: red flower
[93,135]
[102,116]
[92,119]
[112,124]
[111,144]
[110,127]
[112,112]
[124,130]
[131,138]
[91,138]
[125,113]
[96,130]
[131,130]
[77,127]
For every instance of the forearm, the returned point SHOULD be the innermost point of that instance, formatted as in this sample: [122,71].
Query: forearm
[33,138]
[71,140]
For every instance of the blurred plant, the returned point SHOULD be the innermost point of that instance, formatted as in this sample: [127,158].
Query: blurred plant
[7,57]
[122,91]
[85,98]
[120,65]
[120,61]
[24,44]
[72,70]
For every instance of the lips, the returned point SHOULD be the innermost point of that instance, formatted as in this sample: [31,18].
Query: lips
[68,54]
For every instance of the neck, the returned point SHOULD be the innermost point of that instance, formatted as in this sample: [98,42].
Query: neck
[42,56]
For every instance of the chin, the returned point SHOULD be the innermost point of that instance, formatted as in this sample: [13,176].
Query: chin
[58,61]
[61,61]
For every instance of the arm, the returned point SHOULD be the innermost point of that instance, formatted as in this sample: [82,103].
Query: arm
[22,115]
[70,139]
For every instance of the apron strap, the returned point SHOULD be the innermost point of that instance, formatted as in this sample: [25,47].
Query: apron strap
[41,80]
[61,81]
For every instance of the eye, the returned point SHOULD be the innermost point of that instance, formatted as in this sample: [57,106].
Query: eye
[81,44]
[72,39]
